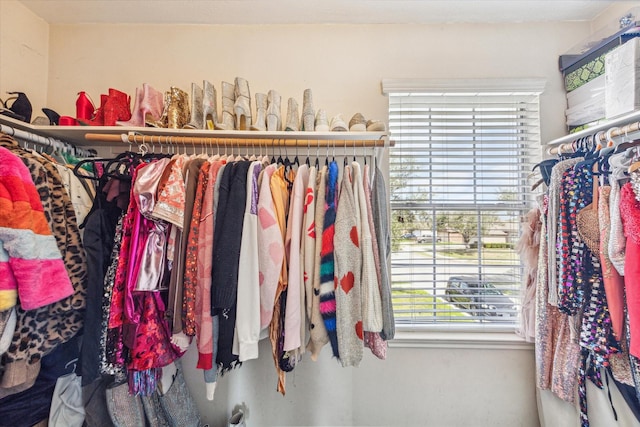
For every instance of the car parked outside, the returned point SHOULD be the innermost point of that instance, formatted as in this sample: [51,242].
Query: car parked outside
[426,236]
[482,296]
[410,235]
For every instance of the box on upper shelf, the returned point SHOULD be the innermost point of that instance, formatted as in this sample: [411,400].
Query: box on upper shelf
[586,61]
[622,79]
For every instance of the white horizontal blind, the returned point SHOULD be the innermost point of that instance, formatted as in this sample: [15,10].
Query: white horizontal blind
[458,182]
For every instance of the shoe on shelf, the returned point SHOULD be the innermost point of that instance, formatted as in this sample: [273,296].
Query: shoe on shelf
[117,107]
[41,121]
[274,115]
[260,122]
[357,123]
[197,119]
[20,109]
[95,119]
[376,126]
[177,108]
[228,121]
[308,114]
[85,110]
[338,124]
[322,123]
[137,120]
[209,105]
[242,105]
[54,118]
[293,118]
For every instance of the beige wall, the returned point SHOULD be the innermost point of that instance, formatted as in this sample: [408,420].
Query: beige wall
[343,64]
[24,54]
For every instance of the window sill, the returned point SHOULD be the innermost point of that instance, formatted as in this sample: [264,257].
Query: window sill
[491,338]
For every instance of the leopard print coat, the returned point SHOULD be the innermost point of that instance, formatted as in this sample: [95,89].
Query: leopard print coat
[39,331]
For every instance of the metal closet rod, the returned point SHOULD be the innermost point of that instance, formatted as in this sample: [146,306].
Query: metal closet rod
[133,138]
[602,136]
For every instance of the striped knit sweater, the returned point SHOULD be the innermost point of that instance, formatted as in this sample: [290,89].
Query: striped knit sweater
[327,286]
[31,266]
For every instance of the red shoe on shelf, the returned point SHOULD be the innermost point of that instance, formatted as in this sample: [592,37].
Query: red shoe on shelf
[84,107]
[97,116]
[117,107]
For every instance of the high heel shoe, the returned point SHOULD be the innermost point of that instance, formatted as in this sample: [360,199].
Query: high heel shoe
[54,118]
[20,108]
[85,110]
[259,123]
[228,101]
[308,114]
[274,120]
[177,109]
[209,105]
[322,123]
[117,107]
[242,106]
[338,124]
[152,104]
[197,120]
[137,119]
[293,121]
[96,118]
[358,123]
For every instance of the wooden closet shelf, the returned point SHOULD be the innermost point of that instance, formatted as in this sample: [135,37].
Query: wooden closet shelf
[112,135]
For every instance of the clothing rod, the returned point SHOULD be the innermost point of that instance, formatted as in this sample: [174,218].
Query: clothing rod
[28,136]
[619,121]
[602,136]
[275,141]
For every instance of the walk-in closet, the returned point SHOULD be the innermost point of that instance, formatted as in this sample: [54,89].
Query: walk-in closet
[319,213]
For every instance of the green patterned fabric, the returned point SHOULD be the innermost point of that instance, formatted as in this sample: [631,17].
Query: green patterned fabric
[584,74]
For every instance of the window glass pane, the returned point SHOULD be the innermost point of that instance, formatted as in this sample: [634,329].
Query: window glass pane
[458,185]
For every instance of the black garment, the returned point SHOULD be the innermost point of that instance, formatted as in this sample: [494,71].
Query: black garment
[99,233]
[31,406]
[227,237]
[232,198]
[628,393]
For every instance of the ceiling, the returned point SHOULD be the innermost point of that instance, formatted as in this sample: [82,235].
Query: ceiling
[313,11]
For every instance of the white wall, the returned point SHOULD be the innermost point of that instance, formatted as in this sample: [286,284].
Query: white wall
[24,54]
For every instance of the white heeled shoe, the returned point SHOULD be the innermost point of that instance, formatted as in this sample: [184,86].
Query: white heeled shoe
[322,123]
[242,106]
[293,121]
[196,121]
[274,115]
[260,122]
[338,124]
[228,101]
[357,123]
[308,114]
[209,106]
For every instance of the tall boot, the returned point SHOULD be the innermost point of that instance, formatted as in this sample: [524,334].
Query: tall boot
[261,113]
[242,106]
[274,115]
[117,107]
[308,114]
[210,106]
[228,101]
[178,108]
[293,119]
[197,120]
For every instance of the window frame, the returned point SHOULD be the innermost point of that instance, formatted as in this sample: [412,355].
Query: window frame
[467,335]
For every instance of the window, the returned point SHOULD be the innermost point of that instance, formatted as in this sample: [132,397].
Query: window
[458,178]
